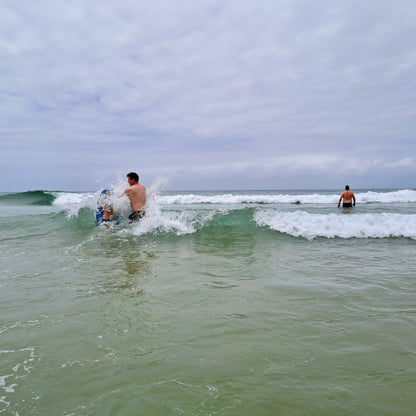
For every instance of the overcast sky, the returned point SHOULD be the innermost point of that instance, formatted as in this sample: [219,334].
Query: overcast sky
[209,94]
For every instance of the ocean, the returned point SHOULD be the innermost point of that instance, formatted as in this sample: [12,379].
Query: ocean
[215,303]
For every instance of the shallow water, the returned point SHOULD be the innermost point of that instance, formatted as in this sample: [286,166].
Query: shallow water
[208,308]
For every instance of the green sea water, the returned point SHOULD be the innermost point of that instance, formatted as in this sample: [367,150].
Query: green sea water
[253,303]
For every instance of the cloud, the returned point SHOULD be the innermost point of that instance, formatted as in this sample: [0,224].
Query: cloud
[168,84]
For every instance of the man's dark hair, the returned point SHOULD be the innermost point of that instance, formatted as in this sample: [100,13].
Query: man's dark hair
[347,188]
[134,176]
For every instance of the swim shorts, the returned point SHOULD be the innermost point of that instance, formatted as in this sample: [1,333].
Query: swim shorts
[136,215]
[347,205]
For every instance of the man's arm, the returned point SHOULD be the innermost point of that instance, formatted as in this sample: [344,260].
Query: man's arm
[353,198]
[340,199]
[125,192]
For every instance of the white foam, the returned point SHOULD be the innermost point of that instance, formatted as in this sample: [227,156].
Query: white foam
[72,202]
[240,199]
[67,198]
[19,370]
[10,387]
[304,224]
[156,220]
[178,222]
[405,195]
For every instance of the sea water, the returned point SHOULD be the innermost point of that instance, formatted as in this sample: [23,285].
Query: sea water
[215,303]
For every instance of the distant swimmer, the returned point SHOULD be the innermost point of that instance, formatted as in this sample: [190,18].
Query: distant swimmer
[137,194]
[347,196]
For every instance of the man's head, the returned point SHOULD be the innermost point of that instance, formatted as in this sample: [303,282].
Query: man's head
[347,188]
[133,176]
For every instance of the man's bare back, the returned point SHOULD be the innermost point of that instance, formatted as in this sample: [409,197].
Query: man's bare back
[137,194]
[347,197]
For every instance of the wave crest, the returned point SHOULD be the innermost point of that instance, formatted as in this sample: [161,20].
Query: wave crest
[310,226]
[28,198]
[400,196]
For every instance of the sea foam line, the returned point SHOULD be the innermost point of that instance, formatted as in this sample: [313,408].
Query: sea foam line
[72,202]
[304,224]
[401,196]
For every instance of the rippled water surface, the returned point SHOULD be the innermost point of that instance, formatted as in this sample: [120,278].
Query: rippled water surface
[216,304]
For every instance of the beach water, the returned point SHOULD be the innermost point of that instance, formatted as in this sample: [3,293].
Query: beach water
[215,303]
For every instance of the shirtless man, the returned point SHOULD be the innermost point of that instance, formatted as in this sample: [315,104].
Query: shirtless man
[137,194]
[348,197]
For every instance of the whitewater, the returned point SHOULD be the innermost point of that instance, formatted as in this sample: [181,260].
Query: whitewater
[307,214]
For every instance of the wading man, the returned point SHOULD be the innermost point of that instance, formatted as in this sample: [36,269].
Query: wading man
[348,197]
[137,194]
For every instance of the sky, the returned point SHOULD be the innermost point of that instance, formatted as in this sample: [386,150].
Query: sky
[208,94]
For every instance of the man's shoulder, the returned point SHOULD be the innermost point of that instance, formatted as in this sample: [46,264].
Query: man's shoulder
[137,187]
